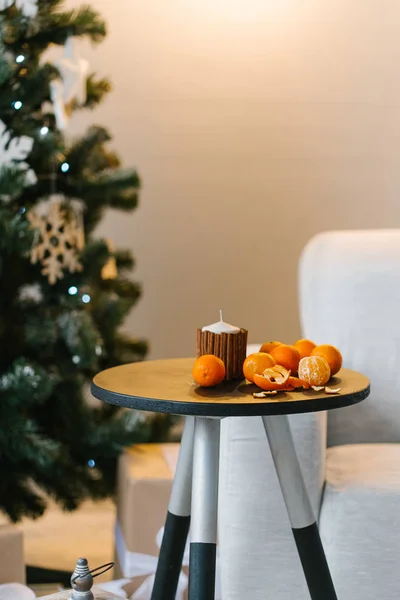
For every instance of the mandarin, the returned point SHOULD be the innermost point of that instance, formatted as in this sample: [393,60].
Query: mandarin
[287,356]
[268,346]
[331,355]
[257,363]
[305,347]
[314,370]
[208,370]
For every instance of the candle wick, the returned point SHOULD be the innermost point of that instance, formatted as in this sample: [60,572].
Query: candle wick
[220,316]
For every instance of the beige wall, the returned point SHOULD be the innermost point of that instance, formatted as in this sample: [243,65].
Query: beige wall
[254,125]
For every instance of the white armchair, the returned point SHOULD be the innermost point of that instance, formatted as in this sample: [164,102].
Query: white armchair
[350,297]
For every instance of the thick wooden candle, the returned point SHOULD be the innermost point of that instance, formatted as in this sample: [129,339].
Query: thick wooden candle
[230,347]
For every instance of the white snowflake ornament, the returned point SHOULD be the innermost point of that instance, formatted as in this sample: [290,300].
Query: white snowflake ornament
[17,149]
[59,240]
[29,7]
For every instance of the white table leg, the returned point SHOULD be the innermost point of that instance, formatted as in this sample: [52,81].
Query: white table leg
[204,509]
[304,526]
[178,521]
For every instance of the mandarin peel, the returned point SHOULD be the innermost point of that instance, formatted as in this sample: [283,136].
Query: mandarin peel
[274,378]
[264,394]
[296,382]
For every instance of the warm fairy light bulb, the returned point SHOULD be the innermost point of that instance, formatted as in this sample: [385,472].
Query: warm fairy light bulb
[65,167]
[17,104]
[20,58]
[44,130]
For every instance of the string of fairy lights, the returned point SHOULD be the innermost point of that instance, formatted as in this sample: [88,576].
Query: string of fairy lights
[44,130]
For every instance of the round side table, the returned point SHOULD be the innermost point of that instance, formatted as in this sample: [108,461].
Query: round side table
[167,386]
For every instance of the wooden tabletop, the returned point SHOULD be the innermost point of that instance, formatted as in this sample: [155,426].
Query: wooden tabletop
[167,386]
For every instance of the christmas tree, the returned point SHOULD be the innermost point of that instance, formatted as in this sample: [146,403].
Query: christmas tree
[63,293]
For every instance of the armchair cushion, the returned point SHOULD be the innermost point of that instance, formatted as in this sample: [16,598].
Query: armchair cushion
[360,520]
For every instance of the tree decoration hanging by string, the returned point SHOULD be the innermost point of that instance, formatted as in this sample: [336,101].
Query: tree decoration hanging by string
[73,84]
[59,108]
[72,87]
[59,239]
[74,72]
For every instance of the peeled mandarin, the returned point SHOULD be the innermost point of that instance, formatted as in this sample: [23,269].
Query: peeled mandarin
[314,370]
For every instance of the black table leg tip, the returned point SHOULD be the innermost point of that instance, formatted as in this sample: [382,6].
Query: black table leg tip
[314,563]
[171,556]
[202,571]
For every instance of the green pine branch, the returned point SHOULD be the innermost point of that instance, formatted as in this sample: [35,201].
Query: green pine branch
[18,498]
[125,261]
[80,155]
[97,89]
[15,233]
[12,182]
[57,26]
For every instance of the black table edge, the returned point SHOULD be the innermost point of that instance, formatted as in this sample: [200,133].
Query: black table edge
[234,409]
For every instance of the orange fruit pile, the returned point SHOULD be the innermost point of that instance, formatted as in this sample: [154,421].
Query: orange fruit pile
[315,365]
